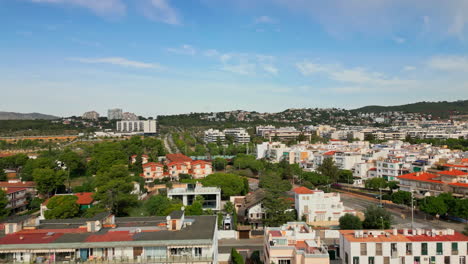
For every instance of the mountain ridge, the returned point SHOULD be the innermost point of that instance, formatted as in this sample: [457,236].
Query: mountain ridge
[25,116]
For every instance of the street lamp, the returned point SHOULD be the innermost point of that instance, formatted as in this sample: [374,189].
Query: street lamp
[381,219]
[412,209]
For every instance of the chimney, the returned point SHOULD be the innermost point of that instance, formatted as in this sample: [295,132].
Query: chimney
[405,231]
[395,231]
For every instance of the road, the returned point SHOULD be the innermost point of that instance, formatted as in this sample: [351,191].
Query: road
[402,218]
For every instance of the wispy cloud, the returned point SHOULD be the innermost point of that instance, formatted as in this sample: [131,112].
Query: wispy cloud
[409,68]
[449,63]
[399,40]
[86,42]
[183,50]
[119,61]
[247,64]
[352,76]
[264,20]
[99,7]
[162,11]
[211,53]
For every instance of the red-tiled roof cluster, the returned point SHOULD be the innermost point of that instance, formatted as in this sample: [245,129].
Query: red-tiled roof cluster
[302,190]
[28,184]
[153,165]
[429,177]
[11,190]
[84,198]
[453,173]
[329,153]
[111,236]
[178,157]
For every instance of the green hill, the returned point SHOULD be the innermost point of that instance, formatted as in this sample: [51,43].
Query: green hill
[437,109]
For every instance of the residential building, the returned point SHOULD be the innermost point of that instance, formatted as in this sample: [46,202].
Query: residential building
[188,193]
[153,171]
[214,136]
[104,238]
[180,164]
[250,209]
[240,135]
[435,183]
[405,246]
[293,243]
[144,159]
[138,126]
[114,114]
[30,186]
[319,208]
[91,115]
[16,198]
[129,116]
[390,168]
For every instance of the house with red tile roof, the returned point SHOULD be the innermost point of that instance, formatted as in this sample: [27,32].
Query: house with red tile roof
[153,171]
[403,246]
[16,198]
[180,164]
[435,183]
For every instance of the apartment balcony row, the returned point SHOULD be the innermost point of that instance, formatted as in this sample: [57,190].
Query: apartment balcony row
[141,260]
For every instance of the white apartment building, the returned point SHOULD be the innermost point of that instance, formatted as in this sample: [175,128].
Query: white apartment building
[211,195]
[294,243]
[390,169]
[240,135]
[143,126]
[345,134]
[213,136]
[405,246]
[114,114]
[346,160]
[319,208]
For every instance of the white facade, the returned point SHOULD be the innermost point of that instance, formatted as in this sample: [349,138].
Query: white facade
[319,208]
[213,136]
[143,126]
[211,195]
[402,247]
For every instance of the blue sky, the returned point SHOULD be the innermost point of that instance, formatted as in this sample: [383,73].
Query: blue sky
[157,57]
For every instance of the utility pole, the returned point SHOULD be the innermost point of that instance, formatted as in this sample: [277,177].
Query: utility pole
[412,210]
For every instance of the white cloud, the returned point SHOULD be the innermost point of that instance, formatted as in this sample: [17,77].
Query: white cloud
[119,61]
[449,63]
[99,7]
[162,11]
[86,43]
[264,20]
[241,68]
[183,50]
[357,76]
[409,68]
[399,40]
[211,53]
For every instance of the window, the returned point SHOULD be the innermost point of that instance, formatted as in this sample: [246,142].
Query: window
[386,260]
[454,248]
[393,249]
[440,248]
[424,249]
[198,252]
[355,260]
[371,260]
[447,260]
[378,249]
[417,260]
[346,258]
[409,249]
[433,260]
[462,260]
[284,261]
[363,249]
[402,260]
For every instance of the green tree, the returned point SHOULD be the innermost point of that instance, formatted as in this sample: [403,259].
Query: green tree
[62,207]
[114,188]
[48,181]
[196,208]
[376,183]
[460,209]
[377,218]
[219,164]
[4,211]
[350,222]
[434,205]
[236,258]
[346,176]
[329,169]
[160,205]
[393,185]
[230,184]
[3,176]
[401,197]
